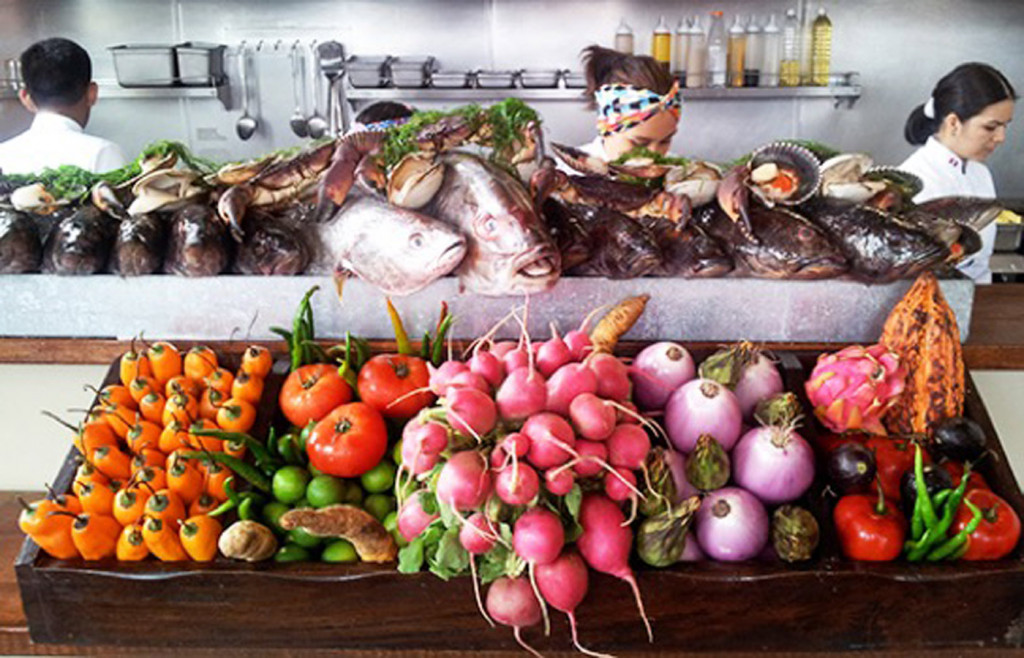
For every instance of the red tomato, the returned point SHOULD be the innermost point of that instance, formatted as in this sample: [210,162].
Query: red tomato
[386,381]
[893,457]
[349,441]
[867,532]
[998,532]
[956,471]
[311,392]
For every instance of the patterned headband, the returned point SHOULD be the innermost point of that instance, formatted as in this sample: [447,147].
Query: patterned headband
[621,107]
[379,126]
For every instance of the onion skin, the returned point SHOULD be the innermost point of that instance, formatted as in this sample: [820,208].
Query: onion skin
[759,381]
[657,371]
[732,525]
[774,464]
[700,407]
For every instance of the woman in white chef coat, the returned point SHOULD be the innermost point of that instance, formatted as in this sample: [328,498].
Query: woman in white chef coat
[963,122]
[637,100]
[60,91]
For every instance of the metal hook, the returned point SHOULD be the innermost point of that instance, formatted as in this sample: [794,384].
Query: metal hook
[259,46]
[278,44]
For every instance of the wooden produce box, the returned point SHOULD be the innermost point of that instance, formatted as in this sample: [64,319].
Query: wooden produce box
[827,604]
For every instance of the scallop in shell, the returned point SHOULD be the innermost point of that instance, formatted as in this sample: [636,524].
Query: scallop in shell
[697,180]
[784,173]
[842,177]
[910,185]
[415,180]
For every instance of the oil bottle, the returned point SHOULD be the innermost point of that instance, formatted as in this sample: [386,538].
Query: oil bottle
[771,55]
[789,67]
[679,48]
[821,49]
[661,43]
[737,52]
[717,61]
[624,38]
[696,56]
[754,60]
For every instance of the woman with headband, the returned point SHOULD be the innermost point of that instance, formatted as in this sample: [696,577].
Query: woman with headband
[637,100]
[959,127]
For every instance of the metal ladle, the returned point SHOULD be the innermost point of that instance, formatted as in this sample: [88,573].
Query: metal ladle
[316,125]
[298,120]
[331,58]
[246,125]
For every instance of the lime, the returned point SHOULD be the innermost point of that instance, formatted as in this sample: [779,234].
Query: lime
[339,551]
[272,512]
[353,493]
[291,553]
[324,490]
[380,505]
[380,478]
[289,483]
[300,537]
[396,453]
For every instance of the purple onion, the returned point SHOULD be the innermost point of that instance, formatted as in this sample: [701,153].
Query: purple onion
[659,370]
[702,407]
[732,525]
[773,463]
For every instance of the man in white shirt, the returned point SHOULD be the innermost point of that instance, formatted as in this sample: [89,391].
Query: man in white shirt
[60,91]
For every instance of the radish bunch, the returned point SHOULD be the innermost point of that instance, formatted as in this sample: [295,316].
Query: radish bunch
[491,476]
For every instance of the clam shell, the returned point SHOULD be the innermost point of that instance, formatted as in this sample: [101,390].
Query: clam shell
[795,158]
[910,184]
[640,168]
[845,168]
[415,180]
[34,198]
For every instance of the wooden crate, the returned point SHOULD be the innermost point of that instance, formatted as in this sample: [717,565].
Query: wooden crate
[827,604]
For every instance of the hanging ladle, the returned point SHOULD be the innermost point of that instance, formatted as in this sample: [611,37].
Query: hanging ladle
[246,125]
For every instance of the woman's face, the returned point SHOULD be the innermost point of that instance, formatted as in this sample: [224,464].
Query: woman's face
[976,138]
[655,134]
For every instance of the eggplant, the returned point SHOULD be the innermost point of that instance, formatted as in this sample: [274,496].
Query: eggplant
[936,479]
[960,439]
[851,468]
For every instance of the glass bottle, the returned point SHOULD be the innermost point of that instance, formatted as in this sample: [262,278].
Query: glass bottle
[789,66]
[821,49]
[680,47]
[737,52]
[717,61]
[772,54]
[755,54]
[806,37]
[661,43]
[624,38]
[696,56]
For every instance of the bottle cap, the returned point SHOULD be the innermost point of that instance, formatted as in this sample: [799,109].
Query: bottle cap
[771,26]
[684,26]
[718,14]
[791,13]
[753,26]
[821,11]
[737,26]
[662,27]
[624,28]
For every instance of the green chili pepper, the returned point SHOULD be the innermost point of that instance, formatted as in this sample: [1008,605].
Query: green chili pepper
[223,508]
[952,546]
[259,451]
[425,351]
[245,510]
[347,371]
[936,533]
[363,352]
[271,444]
[229,490]
[401,338]
[927,509]
[917,522]
[305,434]
[254,476]
[438,355]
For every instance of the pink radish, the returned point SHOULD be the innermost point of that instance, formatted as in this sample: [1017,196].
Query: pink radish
[615,486]
[517,484]
[559,481]
[612,376]
[476,535]
[523,393]
[469,379]
[416,461]
[627,413]
[552,354]
[470,411]
[512,602]
[592,417]
[504,347]
[538,536]
[563,584]
[628,447]
[516,443]
[517,358]
[566,383]
[441,376]
[465,481]
[422,444]
[605,544]
[488,366]
[579,344]
[550,436]
[412,518]
[592,453]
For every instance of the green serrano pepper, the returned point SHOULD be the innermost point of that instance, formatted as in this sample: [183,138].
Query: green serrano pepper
[245,509]
[259,451]
[438,354]
[251,474]
[917,521]
[938,531]
[952,546]
[927,509]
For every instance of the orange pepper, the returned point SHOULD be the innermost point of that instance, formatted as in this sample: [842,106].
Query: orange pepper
[220,380]
[148,457]
[116,395]
[182,408]
[203,505]
[52,532]
[210,403]
[95,535]
[131,547]
[200,361]
[96,498]
[133,364]
[165,360]
[182,384]
[142,386]
[199,536]
[130,505]
[120,418]
[88,473]
[186,480]
[256,361]
[247,387]
[154,476]
[143,434]
[214,476]
[152,407]
[208,443]
[173,437]
[236,416]
[165,505]
[162,540]
[112,462]
[235,449]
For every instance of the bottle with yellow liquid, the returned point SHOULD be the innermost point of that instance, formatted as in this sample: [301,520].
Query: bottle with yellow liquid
[821,49]
[789,67]
[661,43]
[737,52]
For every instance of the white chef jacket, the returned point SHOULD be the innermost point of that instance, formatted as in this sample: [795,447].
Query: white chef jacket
[54,140]
[944,173]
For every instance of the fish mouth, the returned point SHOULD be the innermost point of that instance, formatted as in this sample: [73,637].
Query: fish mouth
[539,263]
[452,255]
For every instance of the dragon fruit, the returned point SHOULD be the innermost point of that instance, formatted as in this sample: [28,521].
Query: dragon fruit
[851,389]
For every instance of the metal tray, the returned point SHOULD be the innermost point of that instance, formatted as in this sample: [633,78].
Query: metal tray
[145,65]
[368,71]
[539,79]
[200,64]
[496,79]
[574,79]
[412,72]
[450,79]
[1008,236]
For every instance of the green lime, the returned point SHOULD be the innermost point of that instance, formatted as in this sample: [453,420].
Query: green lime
[291,553]
[353,493]
[339,551]
[396,453]
[380,505]
[302,503]
[391,525]
[324,490]
[289,483]
[272,512]
[380,478]
[302,538]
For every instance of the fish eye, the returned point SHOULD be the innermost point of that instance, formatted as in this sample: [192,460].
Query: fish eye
[491,225]
[416,240]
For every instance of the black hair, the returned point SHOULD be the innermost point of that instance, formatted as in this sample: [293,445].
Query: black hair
[965,91]
[384,111]
[604,66]
[57,72]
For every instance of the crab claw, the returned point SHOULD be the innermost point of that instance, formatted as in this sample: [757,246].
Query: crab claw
[580,160]
[733,199]
[544,181]
[231,208]
[337,182]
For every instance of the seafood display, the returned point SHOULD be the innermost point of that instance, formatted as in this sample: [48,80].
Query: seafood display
[80,243]
[139,249]
[20,247]
[198,244]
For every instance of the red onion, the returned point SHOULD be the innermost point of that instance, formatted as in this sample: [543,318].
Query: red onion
[774,463]
[677,466]
[760,380]
[657,371]
[691,550]
[702,407]
[732,525]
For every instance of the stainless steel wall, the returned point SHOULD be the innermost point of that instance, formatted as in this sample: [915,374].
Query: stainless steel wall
[899,48]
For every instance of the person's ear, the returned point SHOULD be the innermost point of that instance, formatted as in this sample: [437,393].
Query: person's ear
[91,94]
[952,124]
[26,101]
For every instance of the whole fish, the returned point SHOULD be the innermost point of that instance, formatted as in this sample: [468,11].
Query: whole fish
[509,249]
[969,211]
[622,247]
[198,244]
[880,247]
[687,251]
[80,243]
[140,246]
[273,245]
[787,245]
[571,237]
[21,248]
[395,249]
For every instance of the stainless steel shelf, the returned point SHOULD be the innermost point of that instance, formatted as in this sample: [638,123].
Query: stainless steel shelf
[110,89]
